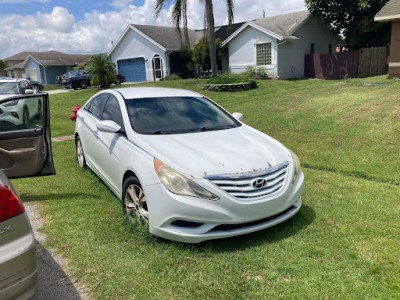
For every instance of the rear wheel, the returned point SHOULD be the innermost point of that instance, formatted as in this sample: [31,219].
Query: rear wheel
[83,84]
[25,117]
[134,203]
[118,81]
[80,155]
[36,88]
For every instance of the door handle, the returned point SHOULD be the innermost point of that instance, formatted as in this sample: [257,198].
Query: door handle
[96,133]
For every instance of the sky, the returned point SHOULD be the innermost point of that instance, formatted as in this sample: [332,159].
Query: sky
[90,26]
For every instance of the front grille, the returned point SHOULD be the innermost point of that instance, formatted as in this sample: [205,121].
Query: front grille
[228,227]
[252,185]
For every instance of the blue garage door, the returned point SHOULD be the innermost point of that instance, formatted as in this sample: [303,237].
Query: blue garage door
[133,69]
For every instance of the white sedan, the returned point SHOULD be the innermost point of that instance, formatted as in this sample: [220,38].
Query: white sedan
[181,162]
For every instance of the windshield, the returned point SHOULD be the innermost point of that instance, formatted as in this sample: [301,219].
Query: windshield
[177,115]
[8,88]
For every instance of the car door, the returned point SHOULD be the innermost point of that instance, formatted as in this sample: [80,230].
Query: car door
[113,145]
[25,149]
[89,133]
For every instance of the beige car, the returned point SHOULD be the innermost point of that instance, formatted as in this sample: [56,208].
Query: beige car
[24,152]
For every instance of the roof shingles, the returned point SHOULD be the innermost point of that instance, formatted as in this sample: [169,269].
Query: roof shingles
[391,11]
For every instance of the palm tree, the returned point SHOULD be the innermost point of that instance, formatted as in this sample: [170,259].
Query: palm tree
[179,12]
[101,70]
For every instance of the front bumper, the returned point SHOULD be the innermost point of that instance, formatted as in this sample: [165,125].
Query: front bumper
[193,220]
[12,114]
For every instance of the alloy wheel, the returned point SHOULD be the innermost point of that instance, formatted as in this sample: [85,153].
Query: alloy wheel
[135,202]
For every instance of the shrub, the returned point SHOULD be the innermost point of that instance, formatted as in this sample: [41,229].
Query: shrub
[256,72]
[229,77]
[172,77]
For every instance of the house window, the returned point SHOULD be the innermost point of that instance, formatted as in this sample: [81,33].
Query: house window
[312,50]
[264,54]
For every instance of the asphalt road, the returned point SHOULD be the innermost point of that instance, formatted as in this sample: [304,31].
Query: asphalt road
[53,281]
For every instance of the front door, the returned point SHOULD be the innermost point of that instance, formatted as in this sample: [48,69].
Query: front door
[157,68]
[25,140]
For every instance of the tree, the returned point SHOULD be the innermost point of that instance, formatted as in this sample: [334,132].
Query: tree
[187,61]
[201,54]
[353,20]
[101,70]
[179,12]
[80,67]
[2,66]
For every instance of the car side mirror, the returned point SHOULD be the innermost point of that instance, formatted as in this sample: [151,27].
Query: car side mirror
[28,91]
[108,126]
[238,116]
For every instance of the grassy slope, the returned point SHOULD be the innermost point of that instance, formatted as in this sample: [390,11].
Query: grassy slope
[342,244]
[336,125]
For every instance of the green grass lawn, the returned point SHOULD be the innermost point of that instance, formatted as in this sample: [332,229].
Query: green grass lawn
[344,243]
[50,87]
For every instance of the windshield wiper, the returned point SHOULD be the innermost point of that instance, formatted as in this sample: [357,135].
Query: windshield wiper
[157,132]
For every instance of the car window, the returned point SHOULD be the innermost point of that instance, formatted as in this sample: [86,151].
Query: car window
[8,88]
[21,114]
[97,104]
[112,111]
[177,115]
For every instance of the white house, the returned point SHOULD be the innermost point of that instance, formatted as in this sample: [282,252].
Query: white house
[278,44]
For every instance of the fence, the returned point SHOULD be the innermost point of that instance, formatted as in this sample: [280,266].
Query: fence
[360,63]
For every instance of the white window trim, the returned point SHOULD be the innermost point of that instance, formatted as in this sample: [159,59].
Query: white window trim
[272,65]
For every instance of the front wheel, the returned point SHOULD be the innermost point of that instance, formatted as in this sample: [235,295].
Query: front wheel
[80,155]
[134,202]
[40,110]
[83,84]
[25,117]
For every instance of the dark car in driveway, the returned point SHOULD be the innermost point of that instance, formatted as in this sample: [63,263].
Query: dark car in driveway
[76,80]
[60,78]
[82,80]
[24,152]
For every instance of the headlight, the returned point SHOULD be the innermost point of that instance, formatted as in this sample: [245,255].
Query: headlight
[178,184]
[11,103]
[296,163]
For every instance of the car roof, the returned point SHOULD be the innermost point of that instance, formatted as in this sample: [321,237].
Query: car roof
[154,92]
[9,79]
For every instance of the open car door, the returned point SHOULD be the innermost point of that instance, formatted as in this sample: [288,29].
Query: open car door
[25,140]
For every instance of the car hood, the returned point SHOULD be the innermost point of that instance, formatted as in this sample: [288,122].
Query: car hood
[231,151]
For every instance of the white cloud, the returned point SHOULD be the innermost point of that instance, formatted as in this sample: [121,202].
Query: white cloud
[60,31]
[58,20]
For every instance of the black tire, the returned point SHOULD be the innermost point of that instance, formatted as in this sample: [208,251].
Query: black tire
[40,110]
[134,204]
[118,81]
[83,84]
[80,155]
[36,88]
[25,117]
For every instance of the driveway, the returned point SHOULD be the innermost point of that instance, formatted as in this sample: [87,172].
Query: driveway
[53,281]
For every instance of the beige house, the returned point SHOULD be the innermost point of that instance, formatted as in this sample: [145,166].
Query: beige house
[391,13]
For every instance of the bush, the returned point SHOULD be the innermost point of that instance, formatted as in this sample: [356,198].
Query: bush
[256,72]
[172,77]
[229,77]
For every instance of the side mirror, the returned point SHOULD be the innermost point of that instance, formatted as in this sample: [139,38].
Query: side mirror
[238,116]
[28,91]
[108,126]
